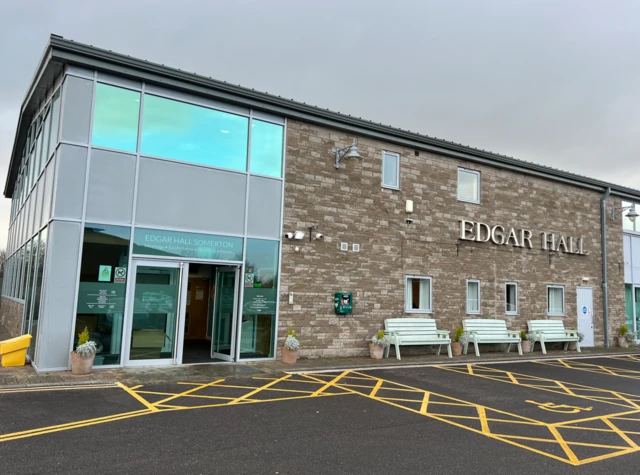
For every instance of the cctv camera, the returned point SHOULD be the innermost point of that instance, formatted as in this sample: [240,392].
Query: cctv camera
[288,235]
[319,236]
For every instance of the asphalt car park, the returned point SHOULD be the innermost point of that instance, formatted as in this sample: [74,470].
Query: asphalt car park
[569,415]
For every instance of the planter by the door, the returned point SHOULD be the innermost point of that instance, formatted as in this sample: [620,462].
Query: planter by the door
[526,346]
[622,342]
[456,348]
[81,365]
[376,351]
[289,356]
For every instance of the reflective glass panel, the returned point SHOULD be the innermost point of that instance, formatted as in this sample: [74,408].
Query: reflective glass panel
[115,119]
[101,294]
[156,242]
[418,294]
[266,148]
[555,300]
[473,297]
[41,256]
[390,164]
[260,299]
[55,121]
[155,313]
[194,134]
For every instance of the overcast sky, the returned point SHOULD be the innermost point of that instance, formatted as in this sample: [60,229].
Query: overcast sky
[554,82]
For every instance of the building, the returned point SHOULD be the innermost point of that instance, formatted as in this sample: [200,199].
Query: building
[182,219]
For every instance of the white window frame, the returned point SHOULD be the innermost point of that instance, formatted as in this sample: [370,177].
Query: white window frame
[506,286]
[564,308]
[397,157]
[472,172]
[473,312]
[406,288]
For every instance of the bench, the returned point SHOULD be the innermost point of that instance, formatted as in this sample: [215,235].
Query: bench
[548,331]
[478,331]
[414,331]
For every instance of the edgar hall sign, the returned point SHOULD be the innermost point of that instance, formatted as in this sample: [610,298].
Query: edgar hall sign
[481,232]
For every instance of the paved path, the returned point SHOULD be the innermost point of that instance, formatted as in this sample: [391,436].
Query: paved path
[559,416]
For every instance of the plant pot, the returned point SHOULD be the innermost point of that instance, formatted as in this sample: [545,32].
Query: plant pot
[622,342]
[526,346]
[456,348]
[81,365]
[289,356]
[376,351]
[572,346]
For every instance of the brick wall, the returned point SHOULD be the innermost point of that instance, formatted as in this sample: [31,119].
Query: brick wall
[11,317]
[349,205]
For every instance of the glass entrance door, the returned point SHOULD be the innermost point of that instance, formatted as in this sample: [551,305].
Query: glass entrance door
[154,330]
[225,314]
[636,315]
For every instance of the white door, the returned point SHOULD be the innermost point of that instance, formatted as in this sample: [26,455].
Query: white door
[585,315]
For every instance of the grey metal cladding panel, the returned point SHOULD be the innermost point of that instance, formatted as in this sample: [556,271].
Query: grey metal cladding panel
[203,101]
[265,207]
[59,295]
[110,189]
[72,163]
[76,116]
[119,81]
[32,210]
[190,198]
[48,191]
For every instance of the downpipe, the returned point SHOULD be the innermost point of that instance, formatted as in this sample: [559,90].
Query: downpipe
[603,244]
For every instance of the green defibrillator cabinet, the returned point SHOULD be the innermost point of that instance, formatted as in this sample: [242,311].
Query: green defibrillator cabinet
[343,303]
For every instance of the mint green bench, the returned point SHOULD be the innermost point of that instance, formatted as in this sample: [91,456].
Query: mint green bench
[552,331]
[414,331]
[485,330]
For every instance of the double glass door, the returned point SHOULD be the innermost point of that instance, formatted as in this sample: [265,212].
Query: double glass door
[156,313]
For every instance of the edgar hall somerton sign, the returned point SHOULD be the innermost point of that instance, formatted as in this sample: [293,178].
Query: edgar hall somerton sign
[481,232]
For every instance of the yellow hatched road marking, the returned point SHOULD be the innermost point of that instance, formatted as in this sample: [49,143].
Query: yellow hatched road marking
[248,395]
[139,398]
[193,390]
[622,435]
[567,450]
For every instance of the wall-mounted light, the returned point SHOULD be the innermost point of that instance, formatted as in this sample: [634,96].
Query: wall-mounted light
[632,214]
[347,152]
[298,235]
[408,207]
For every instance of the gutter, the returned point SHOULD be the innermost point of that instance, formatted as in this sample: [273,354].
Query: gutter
[603,244]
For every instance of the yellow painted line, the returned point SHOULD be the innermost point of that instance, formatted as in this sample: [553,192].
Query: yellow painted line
[470,368]
[512,378]
[632,403]
[264,389]
[567,450]
[483,420]
[400,399]
[248,395]
[553,441]
[594,418]
[560,361]
[425,403]
[621,434]
[607,456]
[136,387]
[57,388]
[197,388]
[139,398]
[71,425]
[624,418]
[257,401]
[565,388]
[376,388]
[187,395]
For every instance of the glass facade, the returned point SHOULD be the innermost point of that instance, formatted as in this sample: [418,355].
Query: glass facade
[115,118]
[260,299]
[34,317]
[266,148]
[102,288]
[194,134]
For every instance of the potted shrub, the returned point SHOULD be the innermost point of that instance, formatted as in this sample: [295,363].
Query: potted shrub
[572,346]
[290,348]
[85,352]
[630,337]
[526,342]
[622,340]
[377,344]
[456,344]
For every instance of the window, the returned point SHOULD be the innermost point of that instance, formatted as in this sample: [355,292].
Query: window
[55,121]
[511,298]
[418,297]
[115,119]
[391,170]
[627,224]
[266,148]
[260,299]
[105,249]
[473,296]
[195,134]
[41,255]
[468,185]
[555,300]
